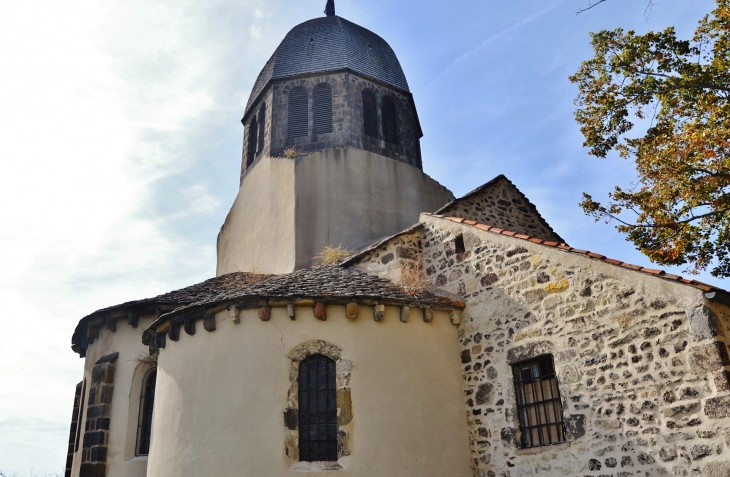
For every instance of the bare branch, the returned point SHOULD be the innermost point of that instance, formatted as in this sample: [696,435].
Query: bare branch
[591,5]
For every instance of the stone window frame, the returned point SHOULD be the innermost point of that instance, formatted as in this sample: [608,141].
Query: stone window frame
[139,377]
[141,411]
[343,369]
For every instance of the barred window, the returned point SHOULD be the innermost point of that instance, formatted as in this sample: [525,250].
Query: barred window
[317,410]
[253,133]
[298,112]
[370,113]
[390,120]
[538,402]
[146,408]
[322,108]
[262,129]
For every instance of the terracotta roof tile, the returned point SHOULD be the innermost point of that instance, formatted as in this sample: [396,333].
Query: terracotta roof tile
[470,222]
[561,246]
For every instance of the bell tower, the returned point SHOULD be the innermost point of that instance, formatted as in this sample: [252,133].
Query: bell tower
[331,152]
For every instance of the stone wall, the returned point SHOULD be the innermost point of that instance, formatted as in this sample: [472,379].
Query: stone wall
[500,204]
[347,120]
[641,361]
[389,258]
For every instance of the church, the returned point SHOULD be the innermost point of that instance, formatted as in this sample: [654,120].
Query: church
[460,338]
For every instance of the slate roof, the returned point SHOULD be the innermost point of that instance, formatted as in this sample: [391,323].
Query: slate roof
[330,44]
[596,256]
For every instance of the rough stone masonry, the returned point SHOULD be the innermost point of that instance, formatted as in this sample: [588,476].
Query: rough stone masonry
[641,361]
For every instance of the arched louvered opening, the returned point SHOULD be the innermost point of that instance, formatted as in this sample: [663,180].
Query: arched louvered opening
[298,112]
[262,129]
[322,108]
[317,409]
[146,408]
[253,134]
[390,120]
[370,113]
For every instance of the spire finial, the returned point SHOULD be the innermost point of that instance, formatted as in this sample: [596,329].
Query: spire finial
[329,10]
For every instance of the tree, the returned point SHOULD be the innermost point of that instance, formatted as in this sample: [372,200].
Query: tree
[680,91]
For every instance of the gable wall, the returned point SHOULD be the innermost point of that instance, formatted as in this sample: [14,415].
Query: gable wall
[502,205]
[643,387]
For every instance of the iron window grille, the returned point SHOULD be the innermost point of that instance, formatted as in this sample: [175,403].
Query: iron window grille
[370,114]
[146,408]
[317,410]
[322,108]
[390,121]
[253,132]
[298,112]
[538,402]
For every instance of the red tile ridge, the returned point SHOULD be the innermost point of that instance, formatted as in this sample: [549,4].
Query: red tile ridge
[535,240]
[612,261]
[456,219]
[551,244]
[496,230]
[508,232]
[523,236]
[470,222]
[483,227]
[582,252]
[596,255]
[653,271]
[562,246]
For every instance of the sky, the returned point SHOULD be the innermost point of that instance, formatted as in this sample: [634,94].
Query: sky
[121,140]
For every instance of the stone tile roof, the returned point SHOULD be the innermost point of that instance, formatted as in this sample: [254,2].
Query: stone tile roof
[195,293]
[324,281]
[562,246]
[330,44]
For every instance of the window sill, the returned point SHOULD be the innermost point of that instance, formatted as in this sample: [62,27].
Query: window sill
[543,449]
[314,466]
[136,458]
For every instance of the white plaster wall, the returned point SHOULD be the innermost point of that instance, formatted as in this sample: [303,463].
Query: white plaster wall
[258,233]
[221,396]
[128,342]
[288,210]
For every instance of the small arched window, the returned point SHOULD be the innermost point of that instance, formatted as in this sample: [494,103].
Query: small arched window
[262,129]
[146,407]
[298,112]
[317,409]
[322,108]
[253,134]
[370,113]
[390,120]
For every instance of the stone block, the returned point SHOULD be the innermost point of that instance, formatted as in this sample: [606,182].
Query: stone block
[717,407]
[379,312]
[528,351]
[702,323]
[716,469]
[351,311]
[709,357]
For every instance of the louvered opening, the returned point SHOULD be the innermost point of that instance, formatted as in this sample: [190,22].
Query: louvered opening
[253,133]
[370,113]
[322,98]
[262,129]
[390,121]
[298,112]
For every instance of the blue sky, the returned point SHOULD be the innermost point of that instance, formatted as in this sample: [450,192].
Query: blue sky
[121,148]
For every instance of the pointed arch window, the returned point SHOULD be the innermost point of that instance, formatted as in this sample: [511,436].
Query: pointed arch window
[298,112]
[390,120]
[146,408]
[317,409]
[253,133]
[322,108]
[262,129]
[369,113]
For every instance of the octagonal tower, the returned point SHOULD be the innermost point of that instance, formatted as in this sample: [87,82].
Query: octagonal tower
[331,152]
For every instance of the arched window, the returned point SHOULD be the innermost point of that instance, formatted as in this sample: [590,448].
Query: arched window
[146,407]
[80,416]
[370,113]
[298,112]
[317,409]
[322,108]
[253,133]
[262,129]
[390,120]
